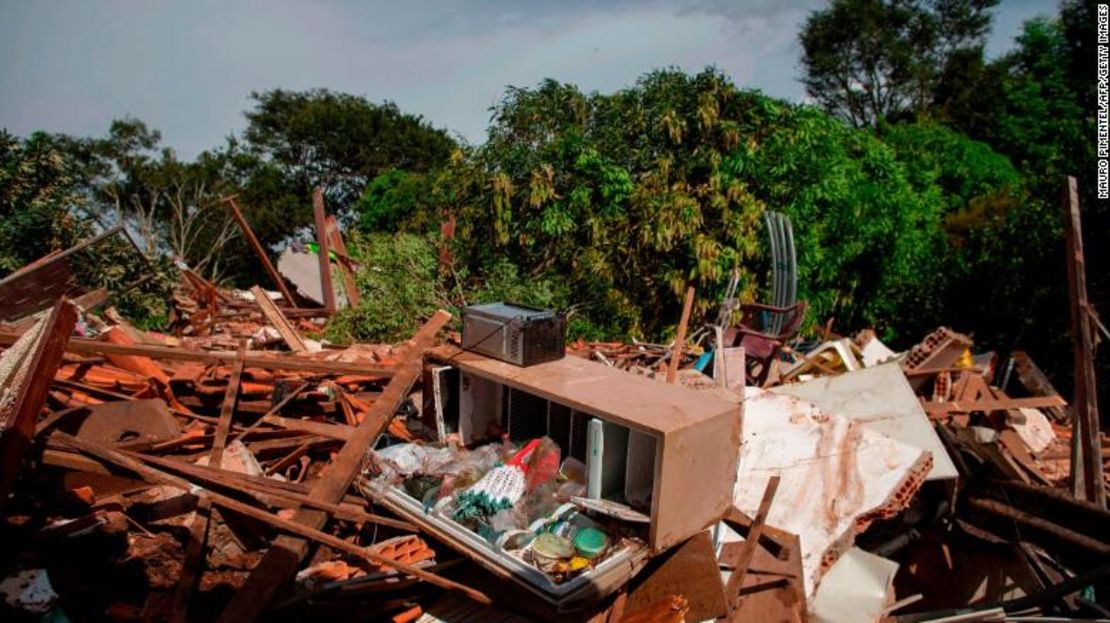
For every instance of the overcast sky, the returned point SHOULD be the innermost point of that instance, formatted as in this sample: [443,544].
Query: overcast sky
[188,67]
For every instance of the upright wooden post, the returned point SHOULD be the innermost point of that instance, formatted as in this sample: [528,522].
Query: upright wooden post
[1086,455]
[336,239]
[260,252]
[680,339]
[324,250]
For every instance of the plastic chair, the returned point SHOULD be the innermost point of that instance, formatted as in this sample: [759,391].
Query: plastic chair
[761,345]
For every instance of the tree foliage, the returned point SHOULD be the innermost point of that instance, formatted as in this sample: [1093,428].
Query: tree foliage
[339,141]
[623,199]
[37,193]
[868,60]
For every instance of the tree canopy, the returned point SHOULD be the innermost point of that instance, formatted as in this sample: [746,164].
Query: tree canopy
[339,141]
[867,60]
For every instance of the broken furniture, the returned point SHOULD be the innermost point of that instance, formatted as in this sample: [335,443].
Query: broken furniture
[661,456]
[761,346]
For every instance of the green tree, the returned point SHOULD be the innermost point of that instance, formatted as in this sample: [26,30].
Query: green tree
[38,197]
[867,60]
[171,205]
[620,200]
[339,141]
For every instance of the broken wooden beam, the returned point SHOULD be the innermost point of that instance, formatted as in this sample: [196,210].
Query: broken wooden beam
[263,258]
[253,359]
[1036,382]
[287,331]
[1086,463]
[349,285]
[323,247]
[281,561]
[680,338]
[988,405]
[740,566]
[269,487]
[33,366]
[157,476]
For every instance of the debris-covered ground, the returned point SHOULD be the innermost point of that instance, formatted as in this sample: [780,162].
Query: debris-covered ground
[238,469]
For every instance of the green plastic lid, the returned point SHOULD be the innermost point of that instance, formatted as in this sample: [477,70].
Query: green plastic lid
[590,542]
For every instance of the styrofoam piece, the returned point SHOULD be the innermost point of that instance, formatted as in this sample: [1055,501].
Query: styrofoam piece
[29,591]
[882,400]
[837,475]
[1034,429]
[875,352]
[856,589]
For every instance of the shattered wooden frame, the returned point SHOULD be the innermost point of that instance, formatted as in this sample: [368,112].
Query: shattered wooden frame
[26,385]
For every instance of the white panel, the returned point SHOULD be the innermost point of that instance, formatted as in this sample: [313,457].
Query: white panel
[882,400]
[479,406]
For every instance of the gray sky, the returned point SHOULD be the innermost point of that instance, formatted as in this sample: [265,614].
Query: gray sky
[187,67]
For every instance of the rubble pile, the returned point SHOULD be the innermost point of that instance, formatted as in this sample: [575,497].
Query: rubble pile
[239,468]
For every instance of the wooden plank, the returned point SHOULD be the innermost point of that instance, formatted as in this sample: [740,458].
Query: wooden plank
[740,568]
[331,430]
[273,314]
[988,405]
[157,476]
[193,564]
[322,241]
[289,459]
[775,541]
[1086,463]
[253,359]
[92,300]
[275,409]
[689,570]
[33,378]
[282,559]
[288,493]
[263,258]
[772,589]
[344,262]
[680,338]
[227,409]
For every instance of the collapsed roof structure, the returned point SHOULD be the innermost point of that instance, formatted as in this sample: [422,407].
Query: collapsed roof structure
[239,469]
